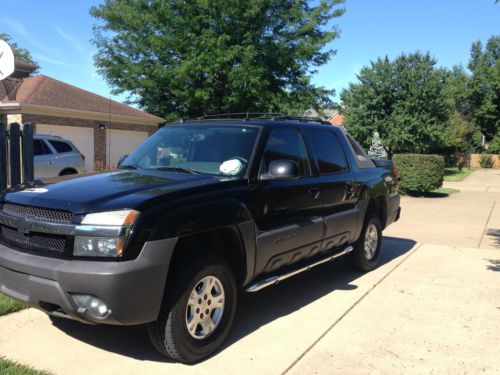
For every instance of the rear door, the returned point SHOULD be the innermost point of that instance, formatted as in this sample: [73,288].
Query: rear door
[290,224]
[338,187]
[64,156]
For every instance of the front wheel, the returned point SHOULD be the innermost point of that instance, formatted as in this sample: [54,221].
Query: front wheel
[366,253]
[197,312]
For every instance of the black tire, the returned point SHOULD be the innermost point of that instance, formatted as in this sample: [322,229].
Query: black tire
[169,334]
[358,258]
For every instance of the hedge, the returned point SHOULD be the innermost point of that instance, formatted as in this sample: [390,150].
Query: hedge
[418,173]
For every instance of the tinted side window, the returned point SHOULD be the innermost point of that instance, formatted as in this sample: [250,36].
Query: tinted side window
[328,151]
[287,144]
[61,146]
[38,148]
[362,159]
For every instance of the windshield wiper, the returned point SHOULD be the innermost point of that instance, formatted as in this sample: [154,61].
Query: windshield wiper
[129,166]
[177,169]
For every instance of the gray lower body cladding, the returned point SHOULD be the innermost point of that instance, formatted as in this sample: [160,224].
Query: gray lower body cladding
[133,290]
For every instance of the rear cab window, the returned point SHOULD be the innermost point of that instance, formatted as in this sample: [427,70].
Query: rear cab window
[362,159]
[61,146]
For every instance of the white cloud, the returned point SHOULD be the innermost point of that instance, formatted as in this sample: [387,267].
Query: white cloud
[50,60]
[19,29]
[74,42]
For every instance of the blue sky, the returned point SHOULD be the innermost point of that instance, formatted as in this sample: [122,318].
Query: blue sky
[58,34]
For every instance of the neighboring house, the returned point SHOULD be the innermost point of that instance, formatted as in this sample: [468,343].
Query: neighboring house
[337,119]
[102,129]
[331,115]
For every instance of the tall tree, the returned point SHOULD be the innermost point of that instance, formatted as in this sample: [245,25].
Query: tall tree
[484,96]
[463,134]
[20,53]
[187,58]
[404,100]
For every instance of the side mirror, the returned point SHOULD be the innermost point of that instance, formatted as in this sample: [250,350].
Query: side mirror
[281,170]
[122,159]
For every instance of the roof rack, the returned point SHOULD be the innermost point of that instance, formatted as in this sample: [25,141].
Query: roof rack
[240,115]
[300,119]
[262,115]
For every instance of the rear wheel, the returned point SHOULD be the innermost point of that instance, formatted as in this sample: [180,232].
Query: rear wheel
[197,312]
[366,253]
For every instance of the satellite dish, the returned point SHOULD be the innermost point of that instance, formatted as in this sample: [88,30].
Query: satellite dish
[7,60]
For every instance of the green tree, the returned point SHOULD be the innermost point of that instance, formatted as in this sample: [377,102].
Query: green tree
[463,134]
[20,53]
[484,95]
[405,100]
[188,58]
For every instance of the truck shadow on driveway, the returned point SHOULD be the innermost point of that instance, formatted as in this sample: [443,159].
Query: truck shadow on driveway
[254,309]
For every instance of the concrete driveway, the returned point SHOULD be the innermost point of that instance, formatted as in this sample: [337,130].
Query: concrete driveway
[428,308]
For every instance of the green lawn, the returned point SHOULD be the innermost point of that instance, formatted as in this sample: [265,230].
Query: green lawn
[8,305]
[11,368]
[454,175]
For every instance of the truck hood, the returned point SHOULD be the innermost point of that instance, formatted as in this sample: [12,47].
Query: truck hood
[107,191]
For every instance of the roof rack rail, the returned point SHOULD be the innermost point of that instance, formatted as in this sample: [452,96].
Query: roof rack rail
[240,115]
[300,119]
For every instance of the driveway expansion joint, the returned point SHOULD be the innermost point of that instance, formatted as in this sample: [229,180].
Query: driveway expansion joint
[357,302]
[486,224]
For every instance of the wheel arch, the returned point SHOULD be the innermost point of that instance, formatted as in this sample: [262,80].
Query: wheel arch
[230,242]
[68,171]
[378,204]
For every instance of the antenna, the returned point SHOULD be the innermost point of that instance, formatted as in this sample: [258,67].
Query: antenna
[7,60]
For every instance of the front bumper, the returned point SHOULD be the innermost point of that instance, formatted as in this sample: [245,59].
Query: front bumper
[133,290]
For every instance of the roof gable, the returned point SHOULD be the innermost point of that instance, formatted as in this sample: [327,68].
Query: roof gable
[46,91]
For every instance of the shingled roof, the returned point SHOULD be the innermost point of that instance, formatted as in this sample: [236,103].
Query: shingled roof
[46,91]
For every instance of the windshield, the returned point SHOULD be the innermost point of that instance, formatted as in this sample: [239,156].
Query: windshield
[219,150]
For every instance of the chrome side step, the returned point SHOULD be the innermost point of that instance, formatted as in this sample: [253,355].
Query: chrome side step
[273,280]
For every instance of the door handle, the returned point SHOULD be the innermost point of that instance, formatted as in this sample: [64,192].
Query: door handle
[314,193]
[51,162]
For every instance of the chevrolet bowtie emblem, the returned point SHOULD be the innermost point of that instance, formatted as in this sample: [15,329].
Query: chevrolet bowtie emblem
[24,225]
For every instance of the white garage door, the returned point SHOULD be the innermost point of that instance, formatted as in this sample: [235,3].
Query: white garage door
[82,138]
[122,142]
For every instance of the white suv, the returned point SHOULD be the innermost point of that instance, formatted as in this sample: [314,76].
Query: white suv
[55,156]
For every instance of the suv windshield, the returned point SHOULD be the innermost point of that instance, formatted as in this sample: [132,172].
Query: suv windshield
[219,150]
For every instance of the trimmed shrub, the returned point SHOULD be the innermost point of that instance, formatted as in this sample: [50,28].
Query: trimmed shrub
[418,173]
[486,161]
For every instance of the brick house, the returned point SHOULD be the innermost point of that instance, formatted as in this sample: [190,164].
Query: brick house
[331,115]
[102,129]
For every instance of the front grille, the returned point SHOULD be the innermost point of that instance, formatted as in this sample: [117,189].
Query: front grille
[38,243]
[46,215]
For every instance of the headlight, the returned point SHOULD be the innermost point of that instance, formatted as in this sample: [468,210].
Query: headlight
[122,217]
[98,246]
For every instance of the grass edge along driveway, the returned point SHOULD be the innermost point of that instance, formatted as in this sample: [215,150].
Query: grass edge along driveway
[8,305]
[11,368]
[454,175]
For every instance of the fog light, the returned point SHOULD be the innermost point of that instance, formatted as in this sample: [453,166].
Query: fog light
[91,304]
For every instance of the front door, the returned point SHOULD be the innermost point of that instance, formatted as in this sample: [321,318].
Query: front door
[290,225]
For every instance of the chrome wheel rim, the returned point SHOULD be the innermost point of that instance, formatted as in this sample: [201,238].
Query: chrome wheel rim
[205,307]
[371,241]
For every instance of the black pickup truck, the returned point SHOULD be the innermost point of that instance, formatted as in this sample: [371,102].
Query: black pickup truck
[200,210]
